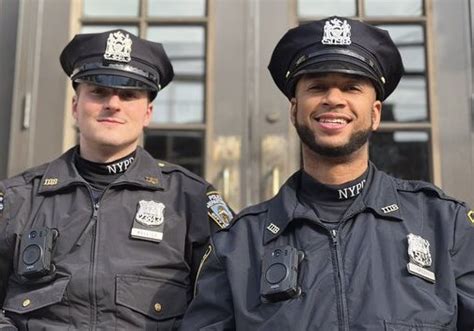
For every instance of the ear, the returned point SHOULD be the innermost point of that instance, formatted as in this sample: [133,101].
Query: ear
[148,114]
[293,108]
[74,106]
[376,114]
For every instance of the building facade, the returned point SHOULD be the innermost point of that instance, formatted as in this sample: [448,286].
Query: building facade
[223,117]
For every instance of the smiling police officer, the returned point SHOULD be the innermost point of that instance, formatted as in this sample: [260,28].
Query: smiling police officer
[105,237]
[343,246]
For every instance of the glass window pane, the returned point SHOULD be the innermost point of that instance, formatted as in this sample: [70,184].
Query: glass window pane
[410,40]
[403,154]
[111,8]
[394,7]
[170,8]
[102,28]
[308,8]
[408,102]
[184,45]
[185,148]
[180,102]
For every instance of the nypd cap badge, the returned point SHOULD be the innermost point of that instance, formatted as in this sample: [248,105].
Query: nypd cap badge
[420,258]
[336,32]
[119,47]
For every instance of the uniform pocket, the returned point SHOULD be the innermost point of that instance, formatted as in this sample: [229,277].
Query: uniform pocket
[402,326]
[26,298]
[156,299]
[39,306]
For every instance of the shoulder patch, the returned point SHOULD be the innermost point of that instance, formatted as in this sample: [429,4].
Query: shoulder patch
[2,201]
[218,210]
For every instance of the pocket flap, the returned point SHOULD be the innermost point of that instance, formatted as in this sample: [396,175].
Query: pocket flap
[25,298]
[154,298]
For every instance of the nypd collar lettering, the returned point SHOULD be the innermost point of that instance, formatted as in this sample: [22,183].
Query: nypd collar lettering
[351,191]
[1,202]
[218,210]
[420,258]
[120,166]
[149,221]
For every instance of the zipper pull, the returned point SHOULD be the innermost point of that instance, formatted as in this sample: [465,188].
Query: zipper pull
[89,226]
[334,236]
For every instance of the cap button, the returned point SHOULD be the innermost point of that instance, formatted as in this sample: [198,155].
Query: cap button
[26,303]
[158,307]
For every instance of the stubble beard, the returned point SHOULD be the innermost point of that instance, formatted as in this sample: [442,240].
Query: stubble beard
[356,141]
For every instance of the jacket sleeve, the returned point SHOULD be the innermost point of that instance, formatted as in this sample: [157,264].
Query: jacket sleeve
[463,266]
[6,255]
[211,308]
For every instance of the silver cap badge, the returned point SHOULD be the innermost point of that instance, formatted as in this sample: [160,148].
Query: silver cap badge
[420,257]
[150,213]
[336,32]
[119,47]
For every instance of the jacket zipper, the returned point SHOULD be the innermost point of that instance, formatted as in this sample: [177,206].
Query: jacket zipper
[92,278]
[203,260]
[340,286]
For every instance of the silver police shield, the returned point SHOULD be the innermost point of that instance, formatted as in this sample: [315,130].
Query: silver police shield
[420,257]
[336,32]
[119,47]
[150,213]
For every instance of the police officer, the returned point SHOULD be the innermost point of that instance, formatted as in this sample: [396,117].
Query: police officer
[105,237]
[343,246]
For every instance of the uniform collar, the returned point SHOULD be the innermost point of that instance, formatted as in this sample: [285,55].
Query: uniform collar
[380,196]
[61,173]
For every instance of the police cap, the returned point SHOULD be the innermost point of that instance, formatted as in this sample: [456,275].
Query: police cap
[341,45]
[117,59]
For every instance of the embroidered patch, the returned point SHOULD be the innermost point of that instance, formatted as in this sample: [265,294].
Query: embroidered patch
[218,210]
[2,202]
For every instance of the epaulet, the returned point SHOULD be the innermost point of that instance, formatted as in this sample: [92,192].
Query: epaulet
[252,210]
[422,186]
[167,167]
[25,177]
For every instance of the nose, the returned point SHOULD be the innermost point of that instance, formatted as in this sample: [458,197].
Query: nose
[333,97]
[113,102]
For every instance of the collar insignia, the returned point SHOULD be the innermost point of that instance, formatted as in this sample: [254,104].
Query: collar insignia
[273,228]
[390,209]
[336,32]
[50,181]
[1,202]
[150,213]
[470,215]
[420,258]
[119,47]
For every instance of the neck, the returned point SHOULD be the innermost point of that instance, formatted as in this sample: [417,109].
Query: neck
[105,154]
[335,171]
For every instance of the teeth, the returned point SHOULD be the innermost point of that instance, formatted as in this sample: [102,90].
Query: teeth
[333,120]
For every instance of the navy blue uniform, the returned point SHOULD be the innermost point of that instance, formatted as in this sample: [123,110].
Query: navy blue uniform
[353,276]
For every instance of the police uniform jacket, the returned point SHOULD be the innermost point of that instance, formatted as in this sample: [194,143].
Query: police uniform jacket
[104,279]
[353,277]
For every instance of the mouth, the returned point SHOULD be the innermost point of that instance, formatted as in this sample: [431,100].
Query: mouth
[111,120]
[333,120]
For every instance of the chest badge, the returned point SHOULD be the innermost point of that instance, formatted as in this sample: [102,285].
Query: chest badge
[149,221]
[420,258]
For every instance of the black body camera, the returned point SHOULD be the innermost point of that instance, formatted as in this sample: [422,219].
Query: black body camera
[279,280]
[36,248]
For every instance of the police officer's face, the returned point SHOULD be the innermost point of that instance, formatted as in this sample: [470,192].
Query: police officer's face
[334,114]
[110,119]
